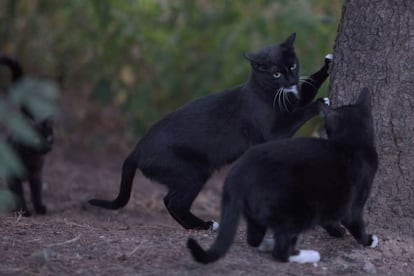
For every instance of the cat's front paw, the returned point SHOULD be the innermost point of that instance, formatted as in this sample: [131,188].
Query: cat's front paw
[305,256]
[328,62]
[214,226]
[374,241]
[324,101]
[329,57]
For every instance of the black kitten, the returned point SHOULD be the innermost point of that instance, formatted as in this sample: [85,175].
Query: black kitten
[32,156]
[289,186]
[183,149]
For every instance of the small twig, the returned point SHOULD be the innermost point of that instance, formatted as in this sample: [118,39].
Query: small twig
[19,216]
[133,251]
[71,223]
[65,242]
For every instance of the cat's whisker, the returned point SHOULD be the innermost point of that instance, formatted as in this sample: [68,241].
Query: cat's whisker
[274,99]
[278,98]
[307,81]
[281,100]
[289,103]
[286,102]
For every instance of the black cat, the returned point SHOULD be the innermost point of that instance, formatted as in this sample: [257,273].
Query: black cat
[289,186]
[183,149]
[32,156]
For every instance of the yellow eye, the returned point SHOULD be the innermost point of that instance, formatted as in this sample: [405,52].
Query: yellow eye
[293,67]
[277,75]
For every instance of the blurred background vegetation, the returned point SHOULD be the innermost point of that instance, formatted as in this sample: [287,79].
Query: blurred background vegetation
[121,65]
[136,60]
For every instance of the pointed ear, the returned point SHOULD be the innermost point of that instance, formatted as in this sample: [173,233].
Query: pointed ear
[364,98]
[252,57]
[289,41]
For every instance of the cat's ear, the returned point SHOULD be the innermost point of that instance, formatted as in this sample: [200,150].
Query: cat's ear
[364,98]
[288,43]
[252,57]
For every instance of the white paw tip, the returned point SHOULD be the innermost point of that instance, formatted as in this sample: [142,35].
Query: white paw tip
[266,245]
[329,56]
[214,226]
[327,101]
[306,256]
[374,241]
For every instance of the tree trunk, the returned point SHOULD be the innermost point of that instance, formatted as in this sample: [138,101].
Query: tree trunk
[375,49]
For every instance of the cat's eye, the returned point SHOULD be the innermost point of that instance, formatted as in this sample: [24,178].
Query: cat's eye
[277,75]
[293,67]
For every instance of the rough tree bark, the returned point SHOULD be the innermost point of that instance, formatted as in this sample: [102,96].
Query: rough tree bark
[375,49]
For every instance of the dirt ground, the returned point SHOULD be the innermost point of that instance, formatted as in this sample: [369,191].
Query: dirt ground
[142,239]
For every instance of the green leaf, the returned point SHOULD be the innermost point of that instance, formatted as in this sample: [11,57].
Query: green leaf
[22,131]
[7,201]
[38,95]
[10,164]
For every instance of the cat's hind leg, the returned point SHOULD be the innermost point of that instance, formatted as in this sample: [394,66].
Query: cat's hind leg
[335,230]
[184,187]
[356,227]
[255,232]
[178,204]
[305,256]
[36,194]
[285,250]
[284,246]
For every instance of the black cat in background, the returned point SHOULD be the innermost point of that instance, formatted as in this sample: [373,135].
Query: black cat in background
[32,156]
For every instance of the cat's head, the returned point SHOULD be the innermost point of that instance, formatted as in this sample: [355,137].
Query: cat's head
[351,124]
[275,69]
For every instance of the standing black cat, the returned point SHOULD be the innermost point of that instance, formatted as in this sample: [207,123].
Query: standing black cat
[32,156]
[289,186]
[183,149]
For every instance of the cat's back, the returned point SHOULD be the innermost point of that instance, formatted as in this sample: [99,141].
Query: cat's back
[196,123]
[293,151]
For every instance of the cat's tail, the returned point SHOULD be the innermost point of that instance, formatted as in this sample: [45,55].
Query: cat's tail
[231,210]
[128,172]
[14,66]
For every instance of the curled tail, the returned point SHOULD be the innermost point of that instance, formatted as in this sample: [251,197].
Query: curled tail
[228,227]
[128,172]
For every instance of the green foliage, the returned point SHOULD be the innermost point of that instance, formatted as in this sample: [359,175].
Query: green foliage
[7,201]
[149,57]
[39,96]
